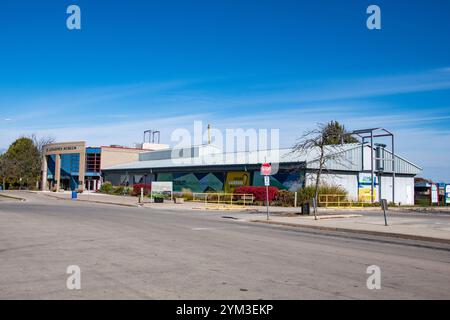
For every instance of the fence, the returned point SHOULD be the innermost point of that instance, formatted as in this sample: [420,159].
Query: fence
[337,200]
[224,199]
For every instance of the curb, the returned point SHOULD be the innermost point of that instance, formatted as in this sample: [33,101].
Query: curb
[367,232]
[110,203]
[12,197]
[96,201]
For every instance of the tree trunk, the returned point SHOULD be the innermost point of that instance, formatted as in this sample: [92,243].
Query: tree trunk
[316,192]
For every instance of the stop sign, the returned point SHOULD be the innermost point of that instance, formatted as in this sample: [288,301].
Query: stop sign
[266,169]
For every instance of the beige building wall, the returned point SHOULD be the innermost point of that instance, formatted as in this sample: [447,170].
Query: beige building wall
[112,156]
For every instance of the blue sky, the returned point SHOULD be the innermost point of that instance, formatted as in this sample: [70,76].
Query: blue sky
[286,65]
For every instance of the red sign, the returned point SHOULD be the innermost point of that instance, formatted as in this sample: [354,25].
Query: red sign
[266,169]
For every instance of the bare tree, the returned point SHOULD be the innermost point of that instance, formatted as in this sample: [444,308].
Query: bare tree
[319,142]
[40,143]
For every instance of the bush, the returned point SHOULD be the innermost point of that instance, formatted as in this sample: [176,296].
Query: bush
[187,194]
[259,192]
[137,189]
[331,189]
[107,188]
[118,190]
[307,193]
[423,202]
[285,198]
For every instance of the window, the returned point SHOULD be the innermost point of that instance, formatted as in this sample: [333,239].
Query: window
[93,162]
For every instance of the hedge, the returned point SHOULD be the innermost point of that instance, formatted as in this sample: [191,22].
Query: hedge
[259,192]
[137,188]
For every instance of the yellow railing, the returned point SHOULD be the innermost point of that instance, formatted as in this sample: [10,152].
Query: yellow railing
[229,199]
[337,200]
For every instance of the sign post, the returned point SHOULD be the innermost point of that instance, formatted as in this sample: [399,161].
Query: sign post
[384,207]
[266,170]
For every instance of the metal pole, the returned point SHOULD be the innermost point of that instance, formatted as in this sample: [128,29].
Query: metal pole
[384,212]
[393,170]
[371,166]
[315,207]
[267,201]
[362,153]
[379,187]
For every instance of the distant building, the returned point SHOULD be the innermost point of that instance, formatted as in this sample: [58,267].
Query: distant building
[206,168]
[73,166]
[422,192]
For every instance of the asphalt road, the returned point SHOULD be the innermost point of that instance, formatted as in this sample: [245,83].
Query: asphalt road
[142,253]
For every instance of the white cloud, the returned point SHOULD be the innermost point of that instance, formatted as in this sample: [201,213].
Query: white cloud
[168,106]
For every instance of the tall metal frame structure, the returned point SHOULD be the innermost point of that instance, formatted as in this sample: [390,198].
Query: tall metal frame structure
[371,134]
[153,136]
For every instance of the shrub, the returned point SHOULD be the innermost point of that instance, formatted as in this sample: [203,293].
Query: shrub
[423,202]
[106,187]
[118,190]
[187,194]
[307,193]
[128,191]
[285,198]
[259,192]
[331,189]
[137,189]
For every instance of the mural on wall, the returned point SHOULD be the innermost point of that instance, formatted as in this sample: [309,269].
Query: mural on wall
[146,178]
[196,182]
[365,187]
[291,181]
[228,182]
[236,179]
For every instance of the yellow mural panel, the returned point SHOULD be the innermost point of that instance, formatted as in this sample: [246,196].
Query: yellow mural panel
[236,179]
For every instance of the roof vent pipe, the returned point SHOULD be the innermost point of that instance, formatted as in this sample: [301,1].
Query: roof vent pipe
[209,133]
[379,156]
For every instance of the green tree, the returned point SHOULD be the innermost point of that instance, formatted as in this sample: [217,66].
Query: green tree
[4,170]
[335,133]
[22,161]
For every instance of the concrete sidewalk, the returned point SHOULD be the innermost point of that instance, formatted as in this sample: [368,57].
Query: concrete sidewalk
[93,197]
[134,201]
[413,228]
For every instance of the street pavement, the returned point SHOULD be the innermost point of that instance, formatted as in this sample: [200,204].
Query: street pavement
[165,253]
[402,222]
